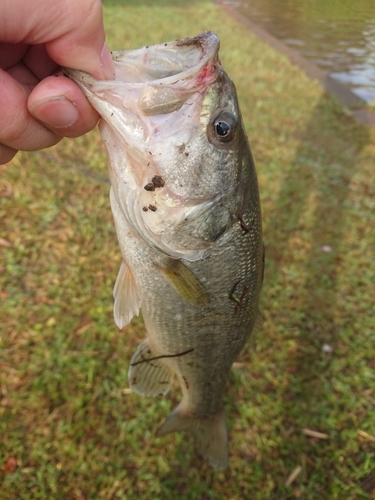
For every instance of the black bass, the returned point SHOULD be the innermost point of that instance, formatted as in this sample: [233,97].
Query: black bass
[186,206]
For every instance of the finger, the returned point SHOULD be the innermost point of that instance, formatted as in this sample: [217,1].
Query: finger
[24,76]
[60,105]
[11,54]
[72,32]
[6,154]
[18,129]
[39,62]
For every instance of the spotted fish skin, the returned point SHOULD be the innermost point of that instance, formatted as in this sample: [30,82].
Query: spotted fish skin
[186,207]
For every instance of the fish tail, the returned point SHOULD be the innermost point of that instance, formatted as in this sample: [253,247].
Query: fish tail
[210,434]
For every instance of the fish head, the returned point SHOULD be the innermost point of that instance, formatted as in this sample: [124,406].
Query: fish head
[173,132]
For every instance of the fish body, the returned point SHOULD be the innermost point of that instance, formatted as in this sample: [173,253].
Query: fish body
[186,207]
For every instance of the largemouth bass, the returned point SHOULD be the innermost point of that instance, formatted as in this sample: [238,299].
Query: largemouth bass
[186,207]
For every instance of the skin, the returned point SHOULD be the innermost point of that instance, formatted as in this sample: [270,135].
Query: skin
[39,105]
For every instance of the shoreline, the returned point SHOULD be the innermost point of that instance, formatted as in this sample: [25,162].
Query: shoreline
[332,86]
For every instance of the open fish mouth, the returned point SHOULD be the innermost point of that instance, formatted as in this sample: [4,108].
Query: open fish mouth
[179,61]
[181,67]
[172,61]
[157,79]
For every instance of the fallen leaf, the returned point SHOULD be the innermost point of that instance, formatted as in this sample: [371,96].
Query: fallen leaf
[10,465]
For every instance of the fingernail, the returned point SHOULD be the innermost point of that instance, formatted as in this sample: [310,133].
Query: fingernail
[56,112]
[106,63]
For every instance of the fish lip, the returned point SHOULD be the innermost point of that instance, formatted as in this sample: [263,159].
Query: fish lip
[207,42]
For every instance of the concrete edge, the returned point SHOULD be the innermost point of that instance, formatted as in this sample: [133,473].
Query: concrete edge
[337,89]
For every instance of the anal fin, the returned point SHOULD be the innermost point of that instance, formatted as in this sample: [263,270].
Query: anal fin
[125,293]
[149,378]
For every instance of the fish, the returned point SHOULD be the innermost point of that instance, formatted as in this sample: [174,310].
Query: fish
[185,200]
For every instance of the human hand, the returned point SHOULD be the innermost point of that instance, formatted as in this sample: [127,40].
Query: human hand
[39,105]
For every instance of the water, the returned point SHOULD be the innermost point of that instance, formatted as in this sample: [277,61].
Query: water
[337,35]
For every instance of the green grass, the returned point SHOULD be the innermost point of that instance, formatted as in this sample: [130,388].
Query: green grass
[66,416]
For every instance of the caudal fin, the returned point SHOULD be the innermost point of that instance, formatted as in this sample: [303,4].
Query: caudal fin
[210,434]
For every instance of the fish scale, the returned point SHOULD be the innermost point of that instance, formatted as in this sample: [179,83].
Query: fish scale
[214,353]
[186,208]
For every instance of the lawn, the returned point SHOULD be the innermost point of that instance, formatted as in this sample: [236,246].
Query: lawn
[300,400]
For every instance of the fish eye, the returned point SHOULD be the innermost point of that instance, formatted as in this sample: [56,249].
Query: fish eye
[224,127]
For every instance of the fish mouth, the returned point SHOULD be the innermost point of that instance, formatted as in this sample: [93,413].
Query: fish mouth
[171,62]
[161,77]
[179,68]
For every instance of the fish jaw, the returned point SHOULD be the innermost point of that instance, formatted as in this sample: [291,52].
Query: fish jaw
[155,121]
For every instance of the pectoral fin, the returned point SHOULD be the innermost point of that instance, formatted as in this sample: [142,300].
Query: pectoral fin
[149,378]
[125,293]
[184,282]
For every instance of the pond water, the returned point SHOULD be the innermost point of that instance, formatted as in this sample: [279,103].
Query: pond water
[337,35]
